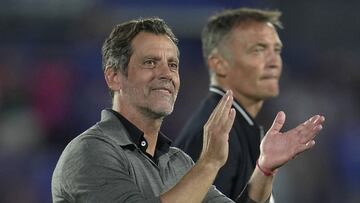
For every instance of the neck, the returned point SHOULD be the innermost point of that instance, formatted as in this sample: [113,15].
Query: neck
[148,125]
[251,106]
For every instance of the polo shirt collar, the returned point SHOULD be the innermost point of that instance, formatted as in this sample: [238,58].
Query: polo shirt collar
[135,135]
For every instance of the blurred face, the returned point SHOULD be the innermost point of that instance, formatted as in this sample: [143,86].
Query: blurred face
[153,75]
[254,60]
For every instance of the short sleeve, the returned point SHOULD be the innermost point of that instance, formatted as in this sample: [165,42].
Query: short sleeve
[93,170]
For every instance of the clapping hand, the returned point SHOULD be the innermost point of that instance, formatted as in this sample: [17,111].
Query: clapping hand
[277,147]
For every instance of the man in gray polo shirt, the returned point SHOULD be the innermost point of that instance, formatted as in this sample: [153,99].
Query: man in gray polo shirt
[125,158]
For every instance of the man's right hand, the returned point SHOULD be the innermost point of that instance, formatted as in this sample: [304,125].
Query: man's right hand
[213,156]
[216,132]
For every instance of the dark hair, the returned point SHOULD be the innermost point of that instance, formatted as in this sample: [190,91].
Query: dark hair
[117,50]
[221,24]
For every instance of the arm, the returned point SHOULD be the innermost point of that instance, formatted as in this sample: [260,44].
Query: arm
[277,149]
[196,183]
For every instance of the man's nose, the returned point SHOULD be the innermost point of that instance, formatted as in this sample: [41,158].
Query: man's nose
[164,70]
[274,60]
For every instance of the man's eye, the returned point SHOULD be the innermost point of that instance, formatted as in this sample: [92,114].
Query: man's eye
[258,49]
[149,63]
[278,50]
[173,65]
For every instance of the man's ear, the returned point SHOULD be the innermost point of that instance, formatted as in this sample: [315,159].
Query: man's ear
[218,65]
[113,79]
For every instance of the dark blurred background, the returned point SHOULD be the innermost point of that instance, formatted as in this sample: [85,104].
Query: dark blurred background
[52,86]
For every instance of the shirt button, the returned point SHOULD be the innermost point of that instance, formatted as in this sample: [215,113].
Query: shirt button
[143,143]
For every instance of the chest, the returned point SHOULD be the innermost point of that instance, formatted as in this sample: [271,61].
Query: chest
[248,138]
[151,178]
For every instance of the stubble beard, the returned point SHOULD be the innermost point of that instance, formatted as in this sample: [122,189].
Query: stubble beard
[149,104]
[155,112]
[152,109]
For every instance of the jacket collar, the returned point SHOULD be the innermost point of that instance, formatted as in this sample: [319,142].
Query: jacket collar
[238,107]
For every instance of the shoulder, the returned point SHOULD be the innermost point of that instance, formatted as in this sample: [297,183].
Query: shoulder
[89,143]
[206,107]
[194,125]
[87,153]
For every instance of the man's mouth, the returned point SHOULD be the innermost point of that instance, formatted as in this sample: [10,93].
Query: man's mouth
[163,89]
[270,77]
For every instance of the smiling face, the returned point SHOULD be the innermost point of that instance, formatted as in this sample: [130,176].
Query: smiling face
[152,83]
[254,61]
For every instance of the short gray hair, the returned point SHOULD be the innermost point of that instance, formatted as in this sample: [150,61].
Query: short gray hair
[117,50]
[220,25]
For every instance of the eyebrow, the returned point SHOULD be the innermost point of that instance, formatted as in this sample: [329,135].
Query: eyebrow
[157,58]
[262,44]
[173,59]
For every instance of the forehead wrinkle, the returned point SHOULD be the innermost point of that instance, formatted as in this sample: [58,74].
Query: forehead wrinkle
[257,33]
[147,42]
[157,53]
[160,53]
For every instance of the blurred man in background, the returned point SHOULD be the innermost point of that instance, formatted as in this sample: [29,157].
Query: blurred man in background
[242,49]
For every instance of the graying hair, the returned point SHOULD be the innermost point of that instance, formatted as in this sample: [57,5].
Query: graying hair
[117,50]
[220,25]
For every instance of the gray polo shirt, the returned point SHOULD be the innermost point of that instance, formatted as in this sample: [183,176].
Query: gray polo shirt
[104,165]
